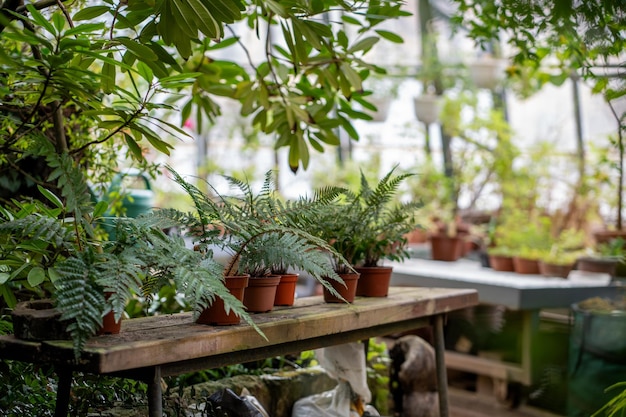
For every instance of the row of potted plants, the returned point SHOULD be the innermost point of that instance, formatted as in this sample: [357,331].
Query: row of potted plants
[59,249]
[528,247]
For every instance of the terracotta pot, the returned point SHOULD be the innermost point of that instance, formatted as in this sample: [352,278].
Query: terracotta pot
[261,293]
[348,292]
[374,281]
[605,236]
[501,263]
[554,270]
[417,236]
[446,248]
[216,314]
[286,290]
[601,265]
[109,325]
[525,266]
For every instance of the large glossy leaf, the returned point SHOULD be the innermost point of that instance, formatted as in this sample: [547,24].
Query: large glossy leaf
[89,13]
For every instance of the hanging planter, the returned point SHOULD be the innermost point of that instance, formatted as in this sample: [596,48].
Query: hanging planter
[486,72]
[427,108]
[382,108]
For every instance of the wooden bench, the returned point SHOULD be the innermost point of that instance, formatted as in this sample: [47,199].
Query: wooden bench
[150,348]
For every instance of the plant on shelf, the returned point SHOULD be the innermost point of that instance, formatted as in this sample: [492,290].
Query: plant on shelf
[606,257]
[591,33]
[369,224]
[561,258]
[59,251]
[257,232]
[381,220]
[527,238]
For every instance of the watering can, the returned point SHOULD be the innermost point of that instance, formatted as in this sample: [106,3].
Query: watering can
[136,201]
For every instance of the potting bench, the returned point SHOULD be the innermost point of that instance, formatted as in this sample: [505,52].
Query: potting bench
[150,348]
[528,294]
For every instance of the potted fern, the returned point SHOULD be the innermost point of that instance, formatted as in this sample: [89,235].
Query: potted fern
[370,225]
[257,234]
[58,250]
[382,225]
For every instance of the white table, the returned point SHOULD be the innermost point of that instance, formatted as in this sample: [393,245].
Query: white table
[525,293]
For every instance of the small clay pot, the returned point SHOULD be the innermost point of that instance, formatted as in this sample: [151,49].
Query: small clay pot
[348,292]
[374,281]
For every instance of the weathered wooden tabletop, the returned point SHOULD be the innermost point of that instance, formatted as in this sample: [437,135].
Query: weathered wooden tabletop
[174,341]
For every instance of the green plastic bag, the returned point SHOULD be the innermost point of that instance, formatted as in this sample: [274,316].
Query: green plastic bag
[597,359]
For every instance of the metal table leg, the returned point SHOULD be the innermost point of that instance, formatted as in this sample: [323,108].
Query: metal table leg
[63,392]
[155,394]
[442,376]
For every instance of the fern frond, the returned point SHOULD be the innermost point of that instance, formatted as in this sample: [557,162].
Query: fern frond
[72,183]
[36,227]
[79,298]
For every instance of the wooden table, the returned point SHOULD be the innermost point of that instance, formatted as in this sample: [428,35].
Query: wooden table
[526,293]
[150,348]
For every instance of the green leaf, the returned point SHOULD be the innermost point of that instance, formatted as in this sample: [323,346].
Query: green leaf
[156,142]
[184,17]
[89,13]
[40,19]
[390,36]
[107,82]
[277,8]
[364,44]
[351,20]
[316,145]
[305,28]
[50,196]
[84,28]
[134,148]
[4,277]
[141,51]
[329,137]
[163,55]
[100,208]
[8,296]
[59,21]
[304,152]
[144,70]
[53,274]
[205,20]
[36,276]
[347,126]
